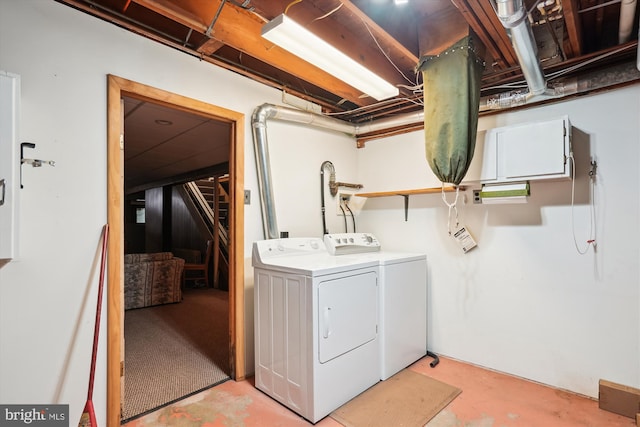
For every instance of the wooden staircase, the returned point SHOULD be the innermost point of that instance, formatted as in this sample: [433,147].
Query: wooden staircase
[215,192]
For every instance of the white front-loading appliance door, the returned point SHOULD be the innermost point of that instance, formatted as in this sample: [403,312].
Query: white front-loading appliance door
[346,347]
[347,314]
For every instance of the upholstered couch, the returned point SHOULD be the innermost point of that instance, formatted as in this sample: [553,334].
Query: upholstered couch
[152,279]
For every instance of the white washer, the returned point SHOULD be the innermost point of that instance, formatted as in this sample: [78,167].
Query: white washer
[403,299]
[316,325]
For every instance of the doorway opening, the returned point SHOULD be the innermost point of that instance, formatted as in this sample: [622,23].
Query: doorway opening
[153,178]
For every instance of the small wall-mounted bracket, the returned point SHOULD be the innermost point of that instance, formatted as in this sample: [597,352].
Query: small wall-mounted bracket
[593,170]
[406,207]
[2,192]
[36,163]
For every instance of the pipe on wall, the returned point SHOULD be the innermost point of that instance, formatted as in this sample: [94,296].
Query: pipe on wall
[513,16]
[594,81]
[266,112]
[627,15]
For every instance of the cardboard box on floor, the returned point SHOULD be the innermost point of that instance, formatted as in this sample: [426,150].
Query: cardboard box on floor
[620,399]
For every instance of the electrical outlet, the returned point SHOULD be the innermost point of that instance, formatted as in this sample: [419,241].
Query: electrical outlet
[342,198]
[476,197]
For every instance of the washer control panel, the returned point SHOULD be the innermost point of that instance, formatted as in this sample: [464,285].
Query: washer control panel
[350,243]
[291,246]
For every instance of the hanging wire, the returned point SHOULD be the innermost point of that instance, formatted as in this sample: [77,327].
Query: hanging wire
[587,62]
[591,241]
[291,4]
[328,13]
[415,83]
[374,105]
[345,217]
[353,217]
[521,84]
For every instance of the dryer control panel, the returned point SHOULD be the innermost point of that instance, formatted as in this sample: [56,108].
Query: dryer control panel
[350,243]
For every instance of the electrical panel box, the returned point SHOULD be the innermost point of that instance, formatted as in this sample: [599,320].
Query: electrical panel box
[9,165]
[523,152]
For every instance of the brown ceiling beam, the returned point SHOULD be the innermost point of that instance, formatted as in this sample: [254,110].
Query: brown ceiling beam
[174,12]
[490,21]
[210,46]
[347,28]
[489,30]
[441,31]
[179,46]
[402,56]
[241,30]
[573,24]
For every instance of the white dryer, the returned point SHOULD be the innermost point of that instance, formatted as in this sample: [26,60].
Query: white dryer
[316,325]
[402,298]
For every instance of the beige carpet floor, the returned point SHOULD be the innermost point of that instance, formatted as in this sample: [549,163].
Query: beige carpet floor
[175,350]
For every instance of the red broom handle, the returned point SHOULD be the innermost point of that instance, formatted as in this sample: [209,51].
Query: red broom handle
[105,235]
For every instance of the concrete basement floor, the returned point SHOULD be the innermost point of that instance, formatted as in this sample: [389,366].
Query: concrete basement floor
[488,399]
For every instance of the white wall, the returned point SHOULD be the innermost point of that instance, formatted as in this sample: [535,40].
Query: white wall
[48,294]
[525,301]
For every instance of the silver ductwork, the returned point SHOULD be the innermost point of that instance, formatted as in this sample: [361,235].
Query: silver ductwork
[513,16]
[261,147]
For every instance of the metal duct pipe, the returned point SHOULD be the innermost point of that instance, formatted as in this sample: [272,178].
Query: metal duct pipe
[513,17]
[596,80]
[512,99]
[593,81]
[261,147]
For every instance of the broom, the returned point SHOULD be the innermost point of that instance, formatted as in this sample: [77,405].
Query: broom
[88,418]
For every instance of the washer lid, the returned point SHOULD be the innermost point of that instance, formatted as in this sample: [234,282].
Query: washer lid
[314,264]
[388,257]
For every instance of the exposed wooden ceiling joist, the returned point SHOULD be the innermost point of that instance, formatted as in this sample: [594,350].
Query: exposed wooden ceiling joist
[385,37]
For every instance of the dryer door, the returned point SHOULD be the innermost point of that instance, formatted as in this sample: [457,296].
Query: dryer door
[348,313]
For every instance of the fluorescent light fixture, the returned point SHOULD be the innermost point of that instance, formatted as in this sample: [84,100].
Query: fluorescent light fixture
[513,192]
[296,39]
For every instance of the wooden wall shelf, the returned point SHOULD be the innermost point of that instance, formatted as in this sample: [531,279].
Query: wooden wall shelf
[407,193]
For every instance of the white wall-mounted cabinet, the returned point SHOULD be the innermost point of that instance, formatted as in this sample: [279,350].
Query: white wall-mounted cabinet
[528,151]
[9,165]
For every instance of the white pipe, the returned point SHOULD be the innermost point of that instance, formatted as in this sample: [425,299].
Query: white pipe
[627,13]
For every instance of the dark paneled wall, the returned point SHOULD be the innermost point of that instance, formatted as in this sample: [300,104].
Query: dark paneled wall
[154,217]
[169,224]
[187,231]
